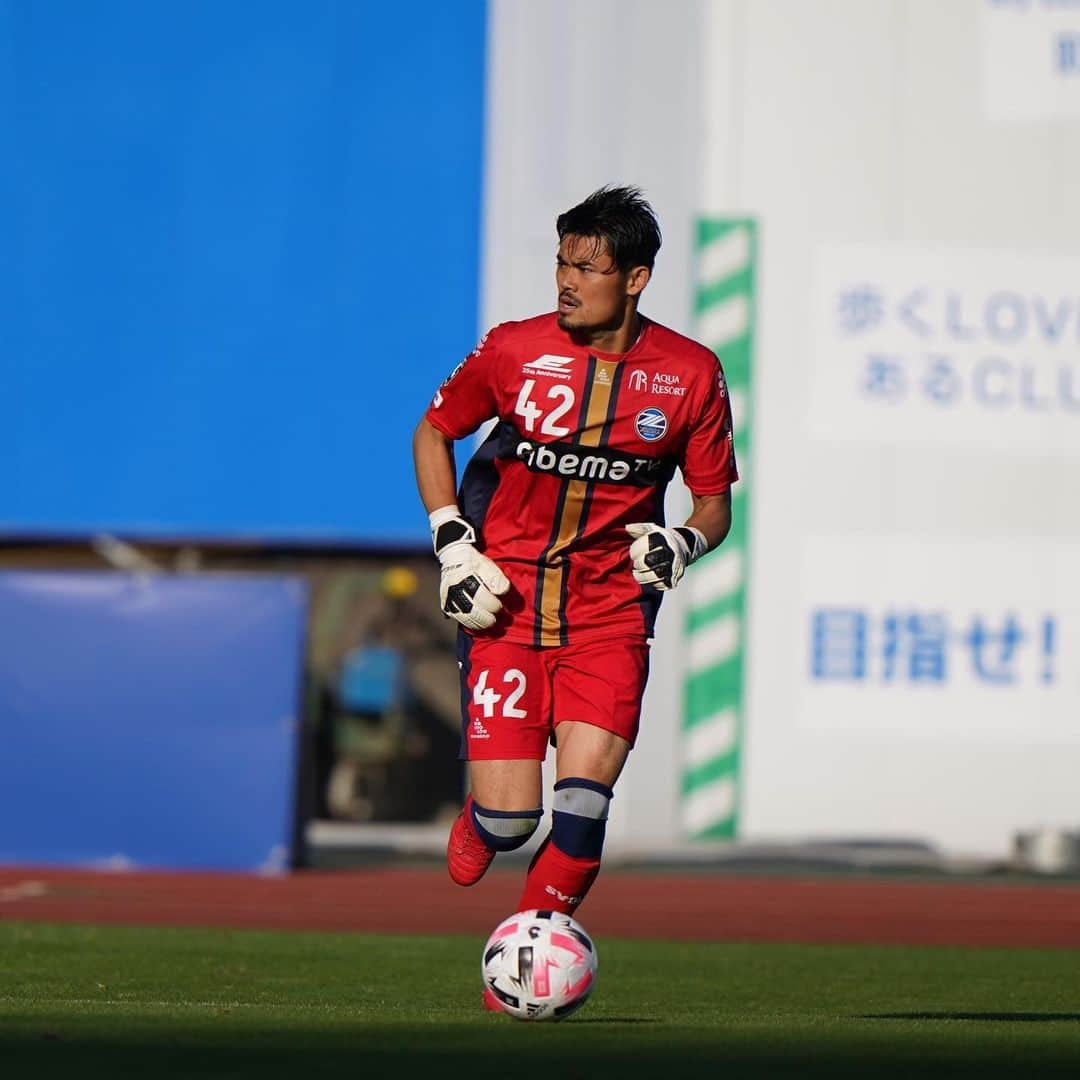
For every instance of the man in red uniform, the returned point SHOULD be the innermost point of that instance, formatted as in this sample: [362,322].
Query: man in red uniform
[554,552]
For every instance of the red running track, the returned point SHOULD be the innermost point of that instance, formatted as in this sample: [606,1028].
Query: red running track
[707,907]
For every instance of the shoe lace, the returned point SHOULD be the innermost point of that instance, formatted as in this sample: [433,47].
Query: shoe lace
[468,844]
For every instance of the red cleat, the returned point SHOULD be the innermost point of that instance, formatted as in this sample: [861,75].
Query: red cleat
[491,1002]
[467,856]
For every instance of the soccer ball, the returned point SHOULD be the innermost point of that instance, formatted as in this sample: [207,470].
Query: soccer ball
[540,965]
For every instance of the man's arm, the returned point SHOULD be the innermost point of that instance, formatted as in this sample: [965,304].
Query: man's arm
[436,472]
[712,515]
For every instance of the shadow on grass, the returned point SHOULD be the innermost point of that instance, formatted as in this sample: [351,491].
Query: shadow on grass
[628,1050]
[995,1017]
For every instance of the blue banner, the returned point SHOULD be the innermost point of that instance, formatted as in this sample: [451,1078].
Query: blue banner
[149,722]
[241,251]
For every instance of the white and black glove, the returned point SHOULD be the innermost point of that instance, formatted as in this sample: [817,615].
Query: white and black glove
[471,583]
[660,556]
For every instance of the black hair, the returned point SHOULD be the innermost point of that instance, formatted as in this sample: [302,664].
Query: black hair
[622,217]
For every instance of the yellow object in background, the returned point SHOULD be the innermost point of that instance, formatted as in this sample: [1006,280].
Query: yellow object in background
[399,582]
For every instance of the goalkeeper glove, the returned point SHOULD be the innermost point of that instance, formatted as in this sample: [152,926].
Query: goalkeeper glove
[660,556]
[471,583]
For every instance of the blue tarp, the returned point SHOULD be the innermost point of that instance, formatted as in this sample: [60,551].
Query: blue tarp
[149,721]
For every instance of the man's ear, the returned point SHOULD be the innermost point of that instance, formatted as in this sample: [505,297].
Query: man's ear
[636,280]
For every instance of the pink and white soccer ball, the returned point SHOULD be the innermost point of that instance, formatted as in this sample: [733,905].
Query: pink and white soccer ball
[540,965]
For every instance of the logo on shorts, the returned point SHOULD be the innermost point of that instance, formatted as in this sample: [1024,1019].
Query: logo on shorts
[478,730]
[651,424]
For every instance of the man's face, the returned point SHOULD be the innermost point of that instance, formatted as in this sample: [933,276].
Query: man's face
[593,291]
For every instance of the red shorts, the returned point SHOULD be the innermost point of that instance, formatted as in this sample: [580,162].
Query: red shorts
[513,696]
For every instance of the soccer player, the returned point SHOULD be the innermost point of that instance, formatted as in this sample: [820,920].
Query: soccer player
[554,551]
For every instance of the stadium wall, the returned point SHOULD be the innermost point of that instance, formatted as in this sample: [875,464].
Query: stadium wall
[914,614]
[243,248]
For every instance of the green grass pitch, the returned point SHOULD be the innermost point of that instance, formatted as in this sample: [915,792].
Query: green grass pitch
[94,1001]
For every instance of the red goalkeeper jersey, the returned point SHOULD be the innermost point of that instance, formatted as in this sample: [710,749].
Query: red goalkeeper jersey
[584,443]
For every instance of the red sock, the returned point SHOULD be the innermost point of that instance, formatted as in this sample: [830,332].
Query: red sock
[557,881]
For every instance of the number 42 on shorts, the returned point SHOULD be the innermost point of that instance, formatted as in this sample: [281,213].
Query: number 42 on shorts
[486,697]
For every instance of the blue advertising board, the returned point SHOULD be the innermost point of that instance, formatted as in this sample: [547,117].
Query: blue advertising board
[149,722]
[241,251]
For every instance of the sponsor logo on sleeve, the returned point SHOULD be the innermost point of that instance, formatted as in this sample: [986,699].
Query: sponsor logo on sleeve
[437,400]
[480,345]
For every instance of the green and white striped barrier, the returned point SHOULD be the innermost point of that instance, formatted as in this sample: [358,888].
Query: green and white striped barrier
[726,252]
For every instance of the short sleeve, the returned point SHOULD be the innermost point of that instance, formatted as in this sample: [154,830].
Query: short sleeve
[467,396]
[708,464]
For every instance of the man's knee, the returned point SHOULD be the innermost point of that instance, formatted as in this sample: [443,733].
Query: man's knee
[579,817]
[505,830]
[587,750]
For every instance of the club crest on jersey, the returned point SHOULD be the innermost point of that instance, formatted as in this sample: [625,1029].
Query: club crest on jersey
[651,424]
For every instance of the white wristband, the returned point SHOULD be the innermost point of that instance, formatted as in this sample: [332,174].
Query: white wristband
[701,545]
[443,515]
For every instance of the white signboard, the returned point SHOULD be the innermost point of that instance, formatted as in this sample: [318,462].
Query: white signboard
[948,347]
[1031,59]
[949,639]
